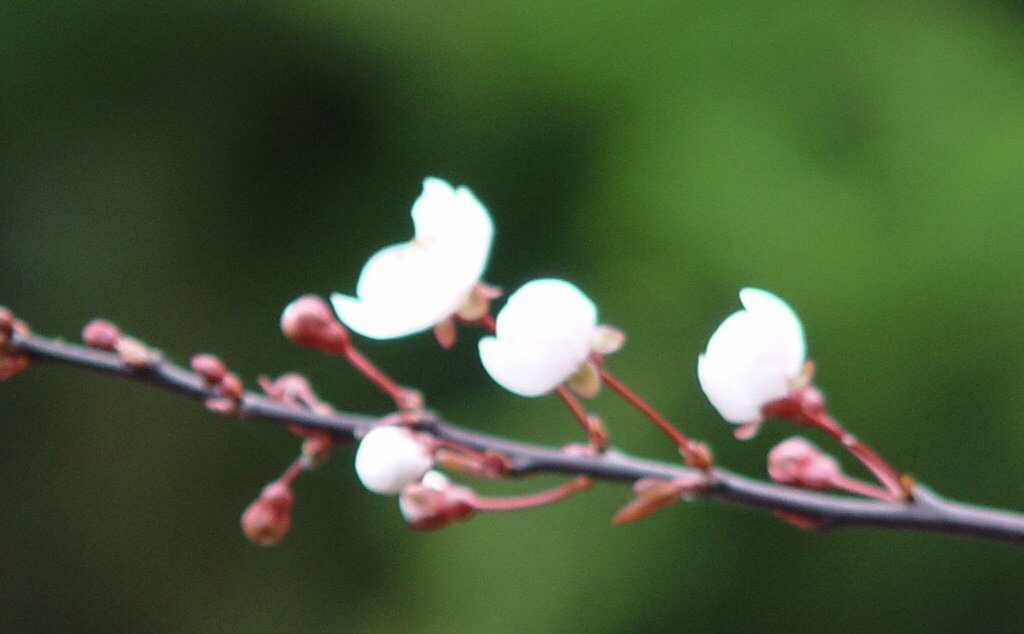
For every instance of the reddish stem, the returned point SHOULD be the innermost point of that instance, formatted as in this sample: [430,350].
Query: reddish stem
[858,487]
[404,397]
[531,500]
[694,453]
[598,437]
[876,464]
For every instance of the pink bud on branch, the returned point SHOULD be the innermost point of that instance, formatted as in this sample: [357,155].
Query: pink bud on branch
[267,520]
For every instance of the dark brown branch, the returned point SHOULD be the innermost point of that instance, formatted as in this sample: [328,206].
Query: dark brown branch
[926,511]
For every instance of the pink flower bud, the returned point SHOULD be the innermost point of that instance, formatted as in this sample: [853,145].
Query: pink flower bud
[797,462]
[210,367]
[310,322]
[101,334]
[269,517]
[12,365]
[434,502]
[231,386]
[7,318]
[135,353]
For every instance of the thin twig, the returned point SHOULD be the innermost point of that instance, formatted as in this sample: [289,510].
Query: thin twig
[925,512]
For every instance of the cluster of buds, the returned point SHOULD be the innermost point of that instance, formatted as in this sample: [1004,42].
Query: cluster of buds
[104,335]
[228,386]
[268,518]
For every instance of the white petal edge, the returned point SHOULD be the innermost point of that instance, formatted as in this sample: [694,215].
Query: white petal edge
[525,368]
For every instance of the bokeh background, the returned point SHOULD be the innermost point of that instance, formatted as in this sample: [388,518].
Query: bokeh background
[187,168]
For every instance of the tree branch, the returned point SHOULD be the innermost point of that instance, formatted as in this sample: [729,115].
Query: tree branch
[926,511]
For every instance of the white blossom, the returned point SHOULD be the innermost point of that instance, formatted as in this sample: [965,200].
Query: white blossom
[389,458]
[412,286]
[544,334]
[754,357]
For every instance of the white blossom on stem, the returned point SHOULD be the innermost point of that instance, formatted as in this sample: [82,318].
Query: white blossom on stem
[544,335]
[754,357]
[413,286]
[390,458]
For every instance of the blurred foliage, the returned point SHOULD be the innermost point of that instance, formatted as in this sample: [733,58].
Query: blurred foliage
[187,168]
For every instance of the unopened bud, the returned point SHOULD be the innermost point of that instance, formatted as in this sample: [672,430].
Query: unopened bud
[266,521]
[135,353]
[210,367]
[293,389]
[101,334]
[231,386]
[7,324]
[222,405]
[434,503]
[390,458]
[408,399]
[797,462]
[12,365]
[310,322]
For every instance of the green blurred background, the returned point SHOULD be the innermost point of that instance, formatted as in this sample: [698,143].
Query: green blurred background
[187,168]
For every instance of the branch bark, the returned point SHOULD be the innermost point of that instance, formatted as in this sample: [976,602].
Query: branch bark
[927,511]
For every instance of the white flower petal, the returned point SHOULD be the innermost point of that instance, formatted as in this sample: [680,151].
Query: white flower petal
[785,326]
[390,458]
[403,289]
[543,335]
[410,287]
[752,358]
[443,213]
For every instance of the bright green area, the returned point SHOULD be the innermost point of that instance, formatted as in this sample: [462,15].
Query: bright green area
[188,168]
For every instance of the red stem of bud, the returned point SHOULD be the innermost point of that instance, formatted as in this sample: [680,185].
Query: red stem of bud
[531,500]
[696,454]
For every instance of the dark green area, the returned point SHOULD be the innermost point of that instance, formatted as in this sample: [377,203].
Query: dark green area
[188,168]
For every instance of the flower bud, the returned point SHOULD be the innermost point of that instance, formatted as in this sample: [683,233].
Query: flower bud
[210,367]
[12,365]
[101,334]
[434,502]
[390,458]
[135,353]
[266,521]
[310,322]
[797,462]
